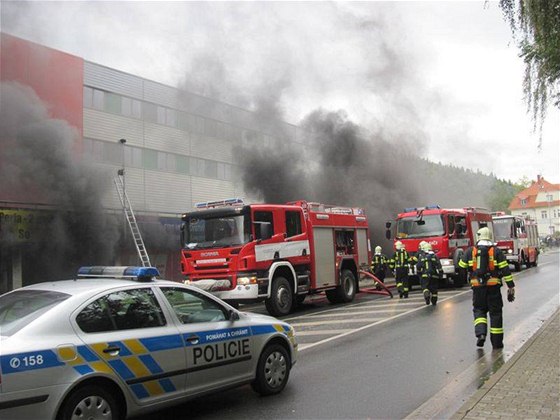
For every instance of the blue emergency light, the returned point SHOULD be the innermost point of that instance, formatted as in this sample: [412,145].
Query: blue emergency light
[120,272]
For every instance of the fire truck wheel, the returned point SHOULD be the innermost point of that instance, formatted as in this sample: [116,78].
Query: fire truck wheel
[346,291]
[273,370]
[281,298]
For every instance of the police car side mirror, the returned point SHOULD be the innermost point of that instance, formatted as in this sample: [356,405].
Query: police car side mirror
[233,315]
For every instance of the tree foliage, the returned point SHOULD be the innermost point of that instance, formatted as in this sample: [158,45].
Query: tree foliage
[536,27]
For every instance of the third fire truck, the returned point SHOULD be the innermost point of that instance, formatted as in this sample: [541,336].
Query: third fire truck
[518,238]
[449,231]
[275,253]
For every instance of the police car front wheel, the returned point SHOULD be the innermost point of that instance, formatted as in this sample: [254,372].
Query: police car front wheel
[273,370]
[90,402]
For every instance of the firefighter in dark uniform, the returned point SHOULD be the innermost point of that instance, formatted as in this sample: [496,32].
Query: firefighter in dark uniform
[488,267]
[430,271]
[379,264]
[399,264]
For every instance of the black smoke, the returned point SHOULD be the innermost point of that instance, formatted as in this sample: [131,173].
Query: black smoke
[41,166]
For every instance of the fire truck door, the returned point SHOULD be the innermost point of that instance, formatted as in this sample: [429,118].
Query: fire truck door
[325,259]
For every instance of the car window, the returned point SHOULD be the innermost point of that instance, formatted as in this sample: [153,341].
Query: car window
[19,308]
[122,310]
[192,307]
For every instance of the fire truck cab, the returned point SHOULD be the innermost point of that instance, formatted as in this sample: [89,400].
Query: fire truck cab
[449,231]
[518,238]
[278,254]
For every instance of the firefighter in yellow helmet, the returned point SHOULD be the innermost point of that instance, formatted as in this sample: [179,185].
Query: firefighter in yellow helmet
[488,268]
[379,264]
[399,264]
[430,271]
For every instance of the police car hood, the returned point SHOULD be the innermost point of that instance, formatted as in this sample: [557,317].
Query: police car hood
[262,318]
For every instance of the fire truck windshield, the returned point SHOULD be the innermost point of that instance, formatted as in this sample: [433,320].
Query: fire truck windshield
[413,227]
[215,231]
[503,229]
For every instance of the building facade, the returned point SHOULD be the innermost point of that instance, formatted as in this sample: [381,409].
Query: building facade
[540,202]
[177,148]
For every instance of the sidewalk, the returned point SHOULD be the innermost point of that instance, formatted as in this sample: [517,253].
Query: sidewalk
[527,386]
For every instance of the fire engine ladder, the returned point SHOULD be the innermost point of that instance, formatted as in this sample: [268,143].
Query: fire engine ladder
[131,219]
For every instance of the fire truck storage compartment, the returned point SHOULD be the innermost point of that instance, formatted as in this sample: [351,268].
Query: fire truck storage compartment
[325,259]
[362,239]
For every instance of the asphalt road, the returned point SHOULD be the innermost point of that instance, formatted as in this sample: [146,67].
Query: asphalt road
[418,362]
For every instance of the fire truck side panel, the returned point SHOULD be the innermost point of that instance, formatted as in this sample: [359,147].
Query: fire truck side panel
[324,258]
[363,247]
[281,250]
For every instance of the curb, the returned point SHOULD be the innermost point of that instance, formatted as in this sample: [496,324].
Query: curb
[488,385]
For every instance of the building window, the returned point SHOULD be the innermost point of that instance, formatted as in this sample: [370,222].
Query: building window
[112,153]
[150,112]
[544,214]
[182,164]
[98,99]
[224,171]
[88,97]
[211,169]
[549,197]
[133,157]
[112,103]
[523,201]
[166,161]
[149,159]
[171,117]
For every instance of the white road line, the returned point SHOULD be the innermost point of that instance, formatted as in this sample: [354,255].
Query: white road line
[380,311]
[320,332]
[334,321]
[336,337]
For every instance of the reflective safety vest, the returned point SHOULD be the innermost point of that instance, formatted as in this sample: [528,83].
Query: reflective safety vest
[492,281]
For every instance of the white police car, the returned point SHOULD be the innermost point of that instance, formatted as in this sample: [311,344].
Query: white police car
[119,343]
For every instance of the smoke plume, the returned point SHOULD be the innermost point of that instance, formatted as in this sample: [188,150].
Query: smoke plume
[40,165]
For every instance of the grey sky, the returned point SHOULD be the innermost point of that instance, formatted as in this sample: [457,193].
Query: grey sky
[444,76]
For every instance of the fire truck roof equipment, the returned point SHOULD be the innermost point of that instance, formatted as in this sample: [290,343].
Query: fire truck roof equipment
[219,203]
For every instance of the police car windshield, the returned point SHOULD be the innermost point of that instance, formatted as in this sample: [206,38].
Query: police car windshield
[211,231]
[503,229]
[408,227]
[19,308]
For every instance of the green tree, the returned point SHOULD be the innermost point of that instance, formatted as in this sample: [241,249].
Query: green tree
[536,27]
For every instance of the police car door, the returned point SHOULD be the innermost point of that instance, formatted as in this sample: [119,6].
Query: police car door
[128,336]
[219,351]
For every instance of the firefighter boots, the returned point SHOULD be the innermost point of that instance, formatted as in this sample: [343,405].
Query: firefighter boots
[427,296]
[434,300]
[480,340]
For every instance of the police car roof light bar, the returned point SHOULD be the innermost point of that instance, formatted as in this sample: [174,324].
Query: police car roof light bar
[219,203]
[141,274]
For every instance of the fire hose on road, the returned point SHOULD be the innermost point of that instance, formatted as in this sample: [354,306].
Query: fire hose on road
[383,289]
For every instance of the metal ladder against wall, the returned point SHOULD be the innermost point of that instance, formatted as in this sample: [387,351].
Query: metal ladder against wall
[131,219]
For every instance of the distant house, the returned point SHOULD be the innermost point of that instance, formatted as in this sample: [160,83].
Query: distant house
[541,202]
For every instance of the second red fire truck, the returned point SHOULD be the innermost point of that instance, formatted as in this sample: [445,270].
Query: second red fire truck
[449,231]
[275,253]
[518,238]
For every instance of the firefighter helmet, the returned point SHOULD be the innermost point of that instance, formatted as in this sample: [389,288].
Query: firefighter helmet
[427,247]
[399,245]
[484,234]
[378,249]
[424,246]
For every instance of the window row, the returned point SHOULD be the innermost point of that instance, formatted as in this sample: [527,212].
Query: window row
[136,157]
[122,105]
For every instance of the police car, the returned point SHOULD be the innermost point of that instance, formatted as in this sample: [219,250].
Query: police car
[115,342]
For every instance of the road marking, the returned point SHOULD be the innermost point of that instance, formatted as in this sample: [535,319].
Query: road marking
[320,332]
[336,337]
[334,321]
[379,311]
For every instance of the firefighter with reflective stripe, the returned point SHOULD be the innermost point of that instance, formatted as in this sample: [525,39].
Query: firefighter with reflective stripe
[399,264]
[379,264]
[430,271]
[487,267]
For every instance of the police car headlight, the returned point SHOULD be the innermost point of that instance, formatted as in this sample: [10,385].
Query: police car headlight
[510,251]
[244,280]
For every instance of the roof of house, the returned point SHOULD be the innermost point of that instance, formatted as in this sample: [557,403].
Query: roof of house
[529,195]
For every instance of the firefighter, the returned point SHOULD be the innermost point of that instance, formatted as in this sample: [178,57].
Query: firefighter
[399,264]
[430,271]
[487,267]
[379,264]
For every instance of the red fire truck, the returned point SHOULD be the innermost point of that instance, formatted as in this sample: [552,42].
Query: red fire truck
[517,238]
[275,253]
[449,231]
